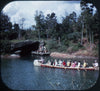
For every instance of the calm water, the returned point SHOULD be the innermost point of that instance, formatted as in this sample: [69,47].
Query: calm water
[21,74]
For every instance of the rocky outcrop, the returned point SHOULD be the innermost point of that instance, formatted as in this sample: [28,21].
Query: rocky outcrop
[25,47]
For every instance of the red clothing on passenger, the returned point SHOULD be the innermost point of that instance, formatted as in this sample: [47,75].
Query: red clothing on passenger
[64,63]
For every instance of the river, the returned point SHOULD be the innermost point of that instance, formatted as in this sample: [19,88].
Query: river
[21,74]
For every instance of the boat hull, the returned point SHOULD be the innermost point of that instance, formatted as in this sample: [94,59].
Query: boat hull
[36,63]
[38,53]
[70,68]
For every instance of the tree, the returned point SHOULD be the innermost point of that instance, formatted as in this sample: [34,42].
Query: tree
[39,18]
[51,23]
[16,29]
[87,18]
[69,27]
[22,20]
[5,26]
[5,31]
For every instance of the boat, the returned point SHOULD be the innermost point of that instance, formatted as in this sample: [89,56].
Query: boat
[40,53]
[71,68]
[37,63]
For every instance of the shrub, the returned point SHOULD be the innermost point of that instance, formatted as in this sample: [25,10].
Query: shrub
[62,49]
[75,48]
[52,44]
[5,46]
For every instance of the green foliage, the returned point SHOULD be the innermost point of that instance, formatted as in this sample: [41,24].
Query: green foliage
[62,48]
[51,44]
[5,46]
[47,27]
[75,48]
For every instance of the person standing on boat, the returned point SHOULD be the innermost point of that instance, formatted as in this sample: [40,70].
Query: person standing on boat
[95,64]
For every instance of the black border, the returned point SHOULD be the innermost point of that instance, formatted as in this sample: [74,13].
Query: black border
[96,3]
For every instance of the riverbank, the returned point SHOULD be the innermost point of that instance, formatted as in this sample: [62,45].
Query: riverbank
[73,55]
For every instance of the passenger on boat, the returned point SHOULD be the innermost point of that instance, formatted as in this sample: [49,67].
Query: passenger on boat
[95,64]
[55,62]
[84,64]
[44,48]
[68,63]
[42,60]
[73,64]
[60,63]
[79,64]
[40,49]
[64,63]
[51,62]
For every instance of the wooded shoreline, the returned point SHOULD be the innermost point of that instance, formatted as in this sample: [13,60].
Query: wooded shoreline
[54,55]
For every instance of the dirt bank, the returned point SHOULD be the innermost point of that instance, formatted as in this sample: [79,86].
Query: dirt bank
[73,55]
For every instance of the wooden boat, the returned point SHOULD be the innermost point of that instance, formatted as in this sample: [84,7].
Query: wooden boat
[40,53]
[71,68]
[38,63]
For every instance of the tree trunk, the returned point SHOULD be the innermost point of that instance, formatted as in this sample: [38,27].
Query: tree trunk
[47,33]
[59,41]
[92,37]
[19,34]
[82,34]
[86,31]
[39,33]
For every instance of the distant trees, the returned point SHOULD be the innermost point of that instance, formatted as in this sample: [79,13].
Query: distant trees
[88,23]
[73,29]
[40,23]
[8,31]
[16,29]
[51,23]
[21,28]
[5,26]
[69,25]
[45,25]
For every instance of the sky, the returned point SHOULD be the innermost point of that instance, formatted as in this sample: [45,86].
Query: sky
[17,10]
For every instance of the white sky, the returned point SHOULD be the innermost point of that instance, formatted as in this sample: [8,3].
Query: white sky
[26,9]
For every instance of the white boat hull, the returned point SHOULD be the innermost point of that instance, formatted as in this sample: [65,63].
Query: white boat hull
[37,63]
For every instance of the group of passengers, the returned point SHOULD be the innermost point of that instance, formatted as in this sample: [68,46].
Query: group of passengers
[71,63]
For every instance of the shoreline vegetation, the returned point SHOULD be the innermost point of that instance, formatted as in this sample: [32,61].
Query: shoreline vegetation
[55,55]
